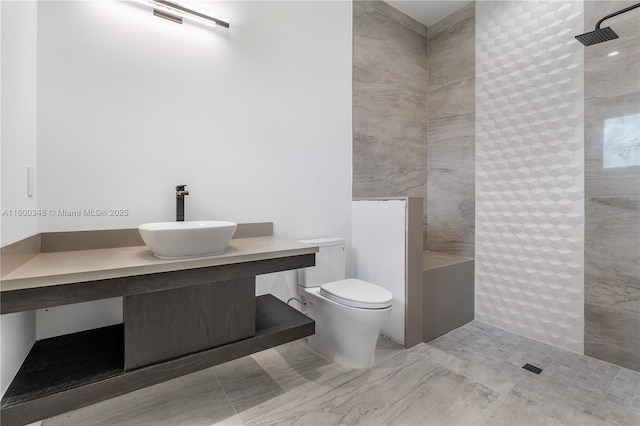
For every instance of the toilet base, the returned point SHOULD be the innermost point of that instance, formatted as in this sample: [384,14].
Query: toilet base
[344,334]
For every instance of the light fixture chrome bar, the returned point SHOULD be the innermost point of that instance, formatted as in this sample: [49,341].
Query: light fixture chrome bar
[185,12]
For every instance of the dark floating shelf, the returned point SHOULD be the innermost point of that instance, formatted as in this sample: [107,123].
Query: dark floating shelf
[66,362]
[64,373]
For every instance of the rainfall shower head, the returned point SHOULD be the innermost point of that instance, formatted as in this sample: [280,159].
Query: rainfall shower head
[600,35]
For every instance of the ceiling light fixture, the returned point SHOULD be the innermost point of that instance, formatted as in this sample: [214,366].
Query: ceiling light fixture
[613,53]
[176,12]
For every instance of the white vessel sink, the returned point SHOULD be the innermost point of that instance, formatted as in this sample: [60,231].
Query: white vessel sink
[170,240]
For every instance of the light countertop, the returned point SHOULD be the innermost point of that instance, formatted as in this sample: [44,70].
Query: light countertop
[49,269]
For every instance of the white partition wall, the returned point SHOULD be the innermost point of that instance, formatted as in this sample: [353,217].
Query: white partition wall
[378,250]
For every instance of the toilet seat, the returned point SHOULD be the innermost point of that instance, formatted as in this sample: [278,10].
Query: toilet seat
[357,294]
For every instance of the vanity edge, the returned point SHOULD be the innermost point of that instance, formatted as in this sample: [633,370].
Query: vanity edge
[63,268]
[20,252]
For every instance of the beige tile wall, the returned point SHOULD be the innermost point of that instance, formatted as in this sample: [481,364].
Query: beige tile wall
[389,103]
[612,187]
[413,117]
[451,134]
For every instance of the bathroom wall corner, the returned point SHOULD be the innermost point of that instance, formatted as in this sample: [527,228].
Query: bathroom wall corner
[450,180]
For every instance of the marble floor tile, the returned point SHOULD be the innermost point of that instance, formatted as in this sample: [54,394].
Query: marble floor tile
[295,364]
[296,369]
[287,375]
[470,376]
[578,383]
[517,409]
[489,377]
[195,399]
[246,383]
[403,389]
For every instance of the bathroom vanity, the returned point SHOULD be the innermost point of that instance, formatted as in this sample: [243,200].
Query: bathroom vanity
[180,315]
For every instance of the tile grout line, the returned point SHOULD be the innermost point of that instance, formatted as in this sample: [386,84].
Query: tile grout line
[228,399]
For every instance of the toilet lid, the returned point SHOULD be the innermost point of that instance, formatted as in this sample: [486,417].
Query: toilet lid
[357,294]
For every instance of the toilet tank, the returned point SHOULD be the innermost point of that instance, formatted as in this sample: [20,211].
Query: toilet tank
[330,262]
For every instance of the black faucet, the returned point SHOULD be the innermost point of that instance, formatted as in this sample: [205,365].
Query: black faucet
[180,194]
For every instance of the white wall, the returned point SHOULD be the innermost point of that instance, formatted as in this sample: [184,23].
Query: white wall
[78,317]
[530,169]
[379,254]
[19,35]
[256,120]
[18,336]
[18,29]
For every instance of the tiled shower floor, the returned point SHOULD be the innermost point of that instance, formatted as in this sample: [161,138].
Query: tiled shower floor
[471,376]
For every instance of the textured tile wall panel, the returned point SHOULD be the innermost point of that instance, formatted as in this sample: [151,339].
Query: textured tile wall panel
[530,169]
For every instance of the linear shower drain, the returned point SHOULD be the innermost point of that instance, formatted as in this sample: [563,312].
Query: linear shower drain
[532,368]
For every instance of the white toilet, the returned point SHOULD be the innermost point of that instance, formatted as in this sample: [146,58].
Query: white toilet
[349,313]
